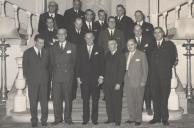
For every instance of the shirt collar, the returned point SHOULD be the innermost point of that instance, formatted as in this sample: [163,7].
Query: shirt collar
[160,41]
[112,53]
[63,43]
[140,23]
[36,50]
[132,53]
[51,29]
[120,17]
[89,23]
[111,30]
[138,37]
[100,21]
[51,14]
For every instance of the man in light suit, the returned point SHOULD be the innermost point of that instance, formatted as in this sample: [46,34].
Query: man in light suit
[63,64]
[90,73]
[135,81]
[36,71]
[111,33]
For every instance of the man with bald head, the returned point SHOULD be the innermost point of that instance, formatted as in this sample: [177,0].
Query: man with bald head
[58,19]
[145,44]
[63,62]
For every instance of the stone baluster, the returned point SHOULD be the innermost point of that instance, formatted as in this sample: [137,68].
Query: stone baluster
[16,16]
[2,8]
[164,24]
[20,100]
[173,101]
[190,3]
[177,9]
[29,27]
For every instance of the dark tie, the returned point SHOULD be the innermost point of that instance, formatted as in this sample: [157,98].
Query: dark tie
[158,44]
[39,55]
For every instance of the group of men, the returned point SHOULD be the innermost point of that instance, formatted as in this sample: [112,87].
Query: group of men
[112,54]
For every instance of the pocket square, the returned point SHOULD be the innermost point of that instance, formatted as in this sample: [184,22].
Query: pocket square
[96,53]
[68,51]
[147,29]
[137,60]
[146,45]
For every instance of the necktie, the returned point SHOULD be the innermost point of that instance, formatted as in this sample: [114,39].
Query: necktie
[90,51]
[90,27]
[39,55]
[158,44]
[138,41]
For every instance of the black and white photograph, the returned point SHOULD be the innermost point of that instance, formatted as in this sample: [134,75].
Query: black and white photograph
[96,64]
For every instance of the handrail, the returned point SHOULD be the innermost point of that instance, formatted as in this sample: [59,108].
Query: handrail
[25,10]
[174,7]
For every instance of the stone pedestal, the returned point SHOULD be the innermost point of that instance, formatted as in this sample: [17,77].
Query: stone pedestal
[20,99]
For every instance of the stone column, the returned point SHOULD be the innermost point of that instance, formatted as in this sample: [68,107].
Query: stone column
[20,100]
[154,9]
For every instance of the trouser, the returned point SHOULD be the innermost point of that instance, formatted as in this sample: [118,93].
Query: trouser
[113,100]
[62,92]
[90,90]
[38,92]
[148,94]
[135,102]
[160,92]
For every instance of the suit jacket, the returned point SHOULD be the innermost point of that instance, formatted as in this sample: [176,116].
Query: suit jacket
[163,59]
[146,45]
[114,69]
[105,36]
[36,70]
[89,69]
[147,28]
[126,25]
[63,63]
[70,15]
[49,36]
[100,27]
[94,28]
[59,21]
[76,38]
[137,70]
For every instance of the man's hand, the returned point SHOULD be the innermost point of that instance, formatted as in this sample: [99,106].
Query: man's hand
[100,80]
[79,82]
[117,87]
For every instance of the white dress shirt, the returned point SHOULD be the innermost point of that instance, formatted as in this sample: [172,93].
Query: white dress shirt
[159,43]
[101,22]
[140,23]
[138,39]
[36,50]
[120,17]
[111,31]
[90,48]
[129,59]
[89,24]
[62,44]
[52,15]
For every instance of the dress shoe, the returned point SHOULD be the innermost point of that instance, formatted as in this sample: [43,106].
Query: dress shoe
[129,121]
[34,125]
[69,122]
[154,121]
[108,122]
[95,123]
[165,123]
[56,123]
[137,123]
[117,124]
[44,124]
[84,123]
[149,112]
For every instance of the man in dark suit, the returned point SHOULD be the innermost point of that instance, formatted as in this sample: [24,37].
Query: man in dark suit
[71,14]
[76,36]
[89,24]
[147,28]
[58,19]
[36,71]
[113,81]
[90,72]
[76,33]
[110,33]
[49,33]
[101,23]
[145,44]
[123,22]
[63,62]
[163,59]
